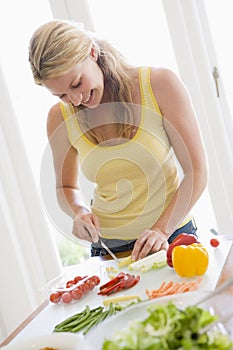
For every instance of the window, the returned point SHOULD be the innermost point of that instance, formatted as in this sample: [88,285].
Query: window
[137,29]
[30,102]
[219,25]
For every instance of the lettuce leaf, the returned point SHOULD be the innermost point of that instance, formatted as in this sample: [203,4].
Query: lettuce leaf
[168,327]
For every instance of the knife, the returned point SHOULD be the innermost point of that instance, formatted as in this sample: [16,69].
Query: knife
[103,245]
[226,237]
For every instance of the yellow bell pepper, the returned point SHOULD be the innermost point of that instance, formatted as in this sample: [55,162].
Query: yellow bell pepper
[190,260]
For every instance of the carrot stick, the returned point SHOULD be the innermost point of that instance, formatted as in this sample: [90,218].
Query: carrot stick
[171,288]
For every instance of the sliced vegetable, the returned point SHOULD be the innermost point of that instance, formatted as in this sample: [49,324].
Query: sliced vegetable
[120,299]
[121,281]
[125,262]
[112,272]
[181,239]
[171,288]
[191,260]
[150,262]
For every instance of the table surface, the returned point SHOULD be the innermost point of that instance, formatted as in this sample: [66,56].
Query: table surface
[225,273]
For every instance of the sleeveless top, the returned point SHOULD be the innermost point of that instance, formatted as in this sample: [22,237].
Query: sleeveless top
[135,180]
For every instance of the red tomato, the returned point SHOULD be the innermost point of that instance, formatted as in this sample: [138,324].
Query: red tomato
[66,297]
[69,283]
[95,279]
[55,297]
[84,288]
[214,242]
[76,293]
[91,284]
[77,279]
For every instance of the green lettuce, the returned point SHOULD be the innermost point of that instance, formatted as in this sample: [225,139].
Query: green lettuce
[169,328]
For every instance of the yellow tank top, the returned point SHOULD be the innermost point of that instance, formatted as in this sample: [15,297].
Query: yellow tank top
[135,180]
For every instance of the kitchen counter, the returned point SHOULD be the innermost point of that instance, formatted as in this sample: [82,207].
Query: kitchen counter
[43,320]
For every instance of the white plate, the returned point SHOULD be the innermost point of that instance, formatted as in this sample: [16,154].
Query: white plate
[58,341]
[96,337]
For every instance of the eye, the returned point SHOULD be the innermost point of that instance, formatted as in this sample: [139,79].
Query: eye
[77,85]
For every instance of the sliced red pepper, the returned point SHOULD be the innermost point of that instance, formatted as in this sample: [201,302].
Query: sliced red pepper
[113,289]
[125,281]
[113,281]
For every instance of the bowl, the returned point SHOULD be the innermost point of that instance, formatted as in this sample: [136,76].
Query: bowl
[96,337]
[58,341]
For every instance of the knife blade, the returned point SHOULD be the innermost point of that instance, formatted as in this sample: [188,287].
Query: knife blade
[108,250]
[103,245]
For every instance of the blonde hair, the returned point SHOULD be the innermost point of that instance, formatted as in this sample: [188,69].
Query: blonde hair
[57,46]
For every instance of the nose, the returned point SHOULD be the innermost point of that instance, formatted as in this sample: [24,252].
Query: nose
[75,98]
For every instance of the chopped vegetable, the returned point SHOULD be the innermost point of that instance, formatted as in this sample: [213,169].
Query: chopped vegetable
[181,239]
[112,271]
[168,327]
[121,281]
[125,262]
[150,262]
[120,299]
[171,288]
[191,260]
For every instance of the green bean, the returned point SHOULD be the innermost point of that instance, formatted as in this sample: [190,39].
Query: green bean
[86,322]
[70,322]
[86,319]
[101,318]
[70,319]
[73,318]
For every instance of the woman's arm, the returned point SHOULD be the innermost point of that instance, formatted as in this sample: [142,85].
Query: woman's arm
[65,161]
[184,134]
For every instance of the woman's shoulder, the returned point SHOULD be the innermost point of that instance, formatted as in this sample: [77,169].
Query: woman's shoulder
[55,118]
[167,86]
[160,77]
[163,76]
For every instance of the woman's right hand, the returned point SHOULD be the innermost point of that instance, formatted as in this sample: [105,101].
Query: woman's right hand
[85,222]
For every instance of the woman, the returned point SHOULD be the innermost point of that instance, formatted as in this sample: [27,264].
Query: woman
[128,128]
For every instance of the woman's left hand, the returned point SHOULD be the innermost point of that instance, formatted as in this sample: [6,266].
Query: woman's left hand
[150,241]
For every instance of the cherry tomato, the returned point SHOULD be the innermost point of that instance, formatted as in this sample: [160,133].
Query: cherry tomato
[77,293]
[70,283]
[66,297]
[84,288]
[95,279]
[214,242]
[77,279]
[55,297]
[91,284]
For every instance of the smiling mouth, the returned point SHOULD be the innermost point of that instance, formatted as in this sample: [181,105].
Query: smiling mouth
[87,99]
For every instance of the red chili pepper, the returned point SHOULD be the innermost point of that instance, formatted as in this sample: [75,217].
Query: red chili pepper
[121,281]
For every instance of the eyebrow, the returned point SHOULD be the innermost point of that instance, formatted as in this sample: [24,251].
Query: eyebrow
[72,82]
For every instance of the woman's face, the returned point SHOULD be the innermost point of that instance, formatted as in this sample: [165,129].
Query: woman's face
[83,85]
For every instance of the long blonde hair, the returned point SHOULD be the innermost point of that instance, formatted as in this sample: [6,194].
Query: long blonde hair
[57,46]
